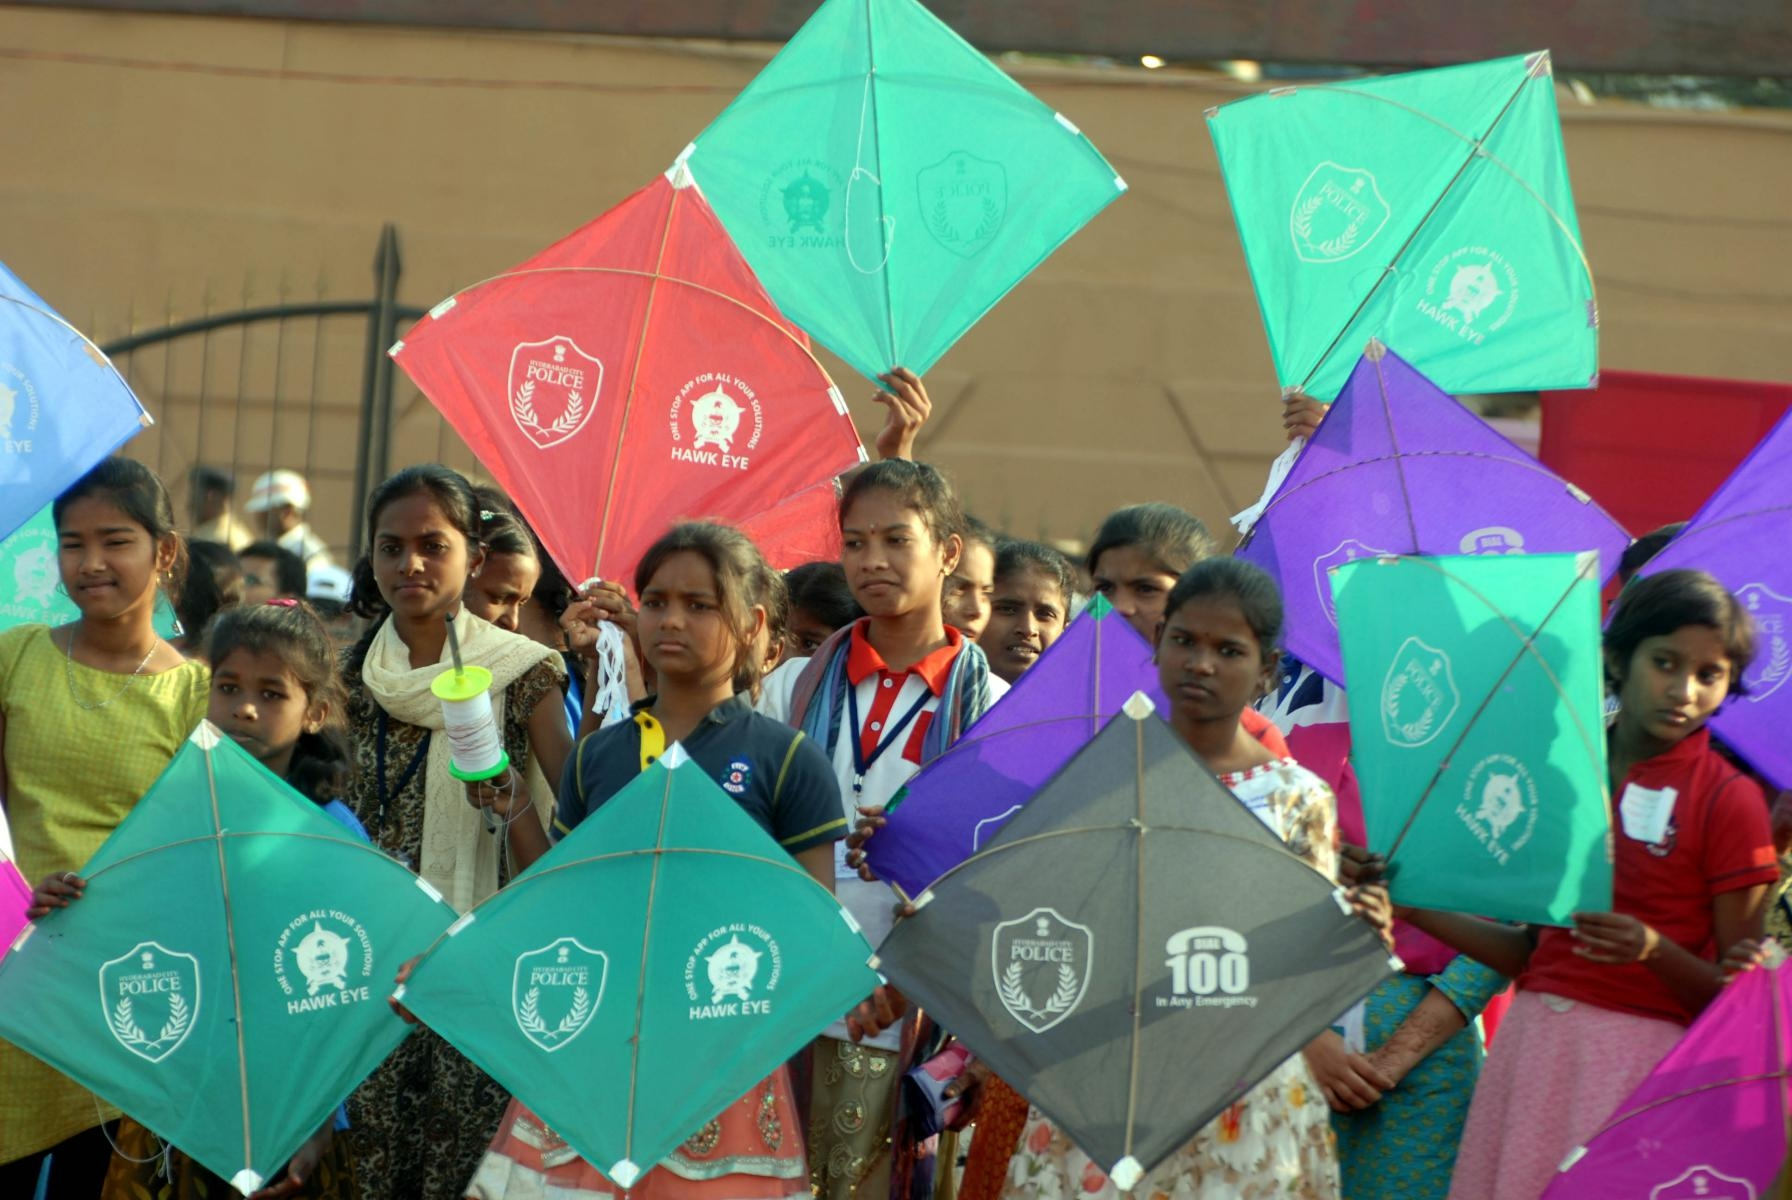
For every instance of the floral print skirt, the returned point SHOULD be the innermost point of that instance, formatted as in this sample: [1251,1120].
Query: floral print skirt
[1277,1141]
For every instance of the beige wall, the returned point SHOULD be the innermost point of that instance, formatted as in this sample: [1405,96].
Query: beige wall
[162,165]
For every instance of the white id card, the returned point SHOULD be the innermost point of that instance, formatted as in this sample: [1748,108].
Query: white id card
[1645,812]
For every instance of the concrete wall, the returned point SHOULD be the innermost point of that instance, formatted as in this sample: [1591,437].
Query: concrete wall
[155,166]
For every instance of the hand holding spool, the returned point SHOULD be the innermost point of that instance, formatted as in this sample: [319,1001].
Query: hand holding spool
[477,753]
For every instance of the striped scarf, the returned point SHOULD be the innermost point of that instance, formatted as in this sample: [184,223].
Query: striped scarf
[818,702]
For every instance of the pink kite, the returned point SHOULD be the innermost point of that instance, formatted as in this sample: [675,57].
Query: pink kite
[1710,1121]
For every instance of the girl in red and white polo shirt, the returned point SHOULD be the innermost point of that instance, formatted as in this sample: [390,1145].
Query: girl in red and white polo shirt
[1600,1003]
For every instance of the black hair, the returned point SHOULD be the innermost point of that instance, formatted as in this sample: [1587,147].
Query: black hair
[203,481]
[1657,605]
[773,593]
[213,584]
[451,493]
[1245,583]
[289,568]
[135,491]
[977,532]
[1172,538]
[740,572]
[293,632]
[552,593]
[915,485]
[1016,554]
[1638,553]
[820,589]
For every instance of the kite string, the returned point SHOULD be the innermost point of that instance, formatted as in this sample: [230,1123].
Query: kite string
[887,222]
[165,1154]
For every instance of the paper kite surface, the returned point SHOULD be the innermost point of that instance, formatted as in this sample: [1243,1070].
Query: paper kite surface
[63,406]
[1742,536]
[890,184]
[635,374]
[1431,210]
[1477,731]
[958,801]
[668,946]
[235,1012]
[1399,467]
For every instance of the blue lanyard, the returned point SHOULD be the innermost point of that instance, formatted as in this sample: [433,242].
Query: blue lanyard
[861,763]
[404,779]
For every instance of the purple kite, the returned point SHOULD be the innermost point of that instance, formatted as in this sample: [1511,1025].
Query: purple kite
[1399,467]
[1710,1120]
[1740,536]
[955,805]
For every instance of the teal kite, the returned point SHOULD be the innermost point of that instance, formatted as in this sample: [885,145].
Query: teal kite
[224,978]
[1430,210]
[31,590]
[645,972]
[888,184]
[1477,730]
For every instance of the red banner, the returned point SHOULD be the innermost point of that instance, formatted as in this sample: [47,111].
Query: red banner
[1652,448]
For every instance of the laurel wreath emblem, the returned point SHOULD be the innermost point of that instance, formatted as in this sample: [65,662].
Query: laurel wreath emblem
[1779,659]
[522,407]
[1015,996]
[123,1020]
[943,227]
[1416,729]
[529,1014]
[1336,247]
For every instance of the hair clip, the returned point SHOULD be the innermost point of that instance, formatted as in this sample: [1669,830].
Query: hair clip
[486,514]
[284,602]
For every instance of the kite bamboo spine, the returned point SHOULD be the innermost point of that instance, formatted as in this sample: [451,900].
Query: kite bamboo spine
[634,1043]
[236,983]
[1138,961]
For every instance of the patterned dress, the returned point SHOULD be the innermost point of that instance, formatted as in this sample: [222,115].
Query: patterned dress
[422,1120]
[1277,1141]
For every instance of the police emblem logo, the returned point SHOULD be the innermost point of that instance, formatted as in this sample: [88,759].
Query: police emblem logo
[1418,694]
[553,389]
[1040,964]
[1348,550]
[555,991]
[1336,214]
[150,997]
[964,200]
[1772,615]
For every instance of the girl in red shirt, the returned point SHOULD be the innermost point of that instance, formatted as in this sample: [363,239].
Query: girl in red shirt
[1600,1003]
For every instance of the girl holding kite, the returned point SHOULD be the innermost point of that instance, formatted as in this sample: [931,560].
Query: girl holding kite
[90,714]
[1600,1003]
[422,1120]
[1216,655]
[881,696]
[275,692]
[703,591]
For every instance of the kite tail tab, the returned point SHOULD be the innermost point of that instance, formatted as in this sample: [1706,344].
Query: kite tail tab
[396,350]
[1576,491]
[1279,93]
[679,173]
[442,309]
[461,922]
[144,420]
[24,936]
[1593,323]
[1539,65]
[205,735]
[1127,1173]
[1067,123]
[246,1181]
[1773,955]
[1376,350]
[924,899]
[863,457]
[429,889]
[1342,900]
[624,1173]
[1396,964]
[1574,1156]
[1119,184]
[852,922]
[1138,706]
[838,399]
[1211,113]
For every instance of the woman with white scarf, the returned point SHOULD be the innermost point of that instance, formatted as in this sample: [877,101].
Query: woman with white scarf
[421,1121]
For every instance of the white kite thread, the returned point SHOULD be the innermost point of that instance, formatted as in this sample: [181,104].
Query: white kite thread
[610,698]
[858,168]
[473,734]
